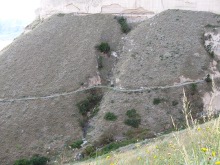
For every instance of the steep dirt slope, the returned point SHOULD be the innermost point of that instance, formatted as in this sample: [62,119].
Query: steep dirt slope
[166,50]
[58,56]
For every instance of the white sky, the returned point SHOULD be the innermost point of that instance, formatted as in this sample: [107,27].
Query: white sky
[18,9]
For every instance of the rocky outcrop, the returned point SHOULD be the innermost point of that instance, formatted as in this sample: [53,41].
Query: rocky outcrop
[147,7]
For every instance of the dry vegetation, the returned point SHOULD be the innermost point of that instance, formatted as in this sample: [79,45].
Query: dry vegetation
[198,144]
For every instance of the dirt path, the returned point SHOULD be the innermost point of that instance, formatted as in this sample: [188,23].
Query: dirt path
[29,98]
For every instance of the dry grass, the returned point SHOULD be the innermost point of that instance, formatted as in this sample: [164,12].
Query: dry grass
[198,145]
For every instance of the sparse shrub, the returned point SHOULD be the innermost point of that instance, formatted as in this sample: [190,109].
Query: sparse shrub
[103,47]
[94,112]
[134,118]
[77,144]
[60,14]
[110,116]
[113,146]
[34,160]
[174,103]
[156,101]
[132,113]
[106,138]
[100,63]
[89,103]
[139,134]
[89,150]
[133,122]
[22,162]
[124,25]
[208,78]
[83,106]
[39,160]
[193,87]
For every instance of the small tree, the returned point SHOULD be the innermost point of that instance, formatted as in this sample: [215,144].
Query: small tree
[77,144]
[124,25]
[134,119]
[110,116]
[156,101]
[103,47]
[208,78]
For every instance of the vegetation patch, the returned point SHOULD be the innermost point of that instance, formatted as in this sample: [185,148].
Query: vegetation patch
[157,101]
[208,78]
[174,103]
[134,119]
[89,103]
[108,148]
[110,116]
[35,160]
[103,47]
[77,144]
[193,87]
[138,134]
[125,28]
[100,62]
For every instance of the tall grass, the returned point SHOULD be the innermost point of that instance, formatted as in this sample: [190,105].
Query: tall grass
[196,145]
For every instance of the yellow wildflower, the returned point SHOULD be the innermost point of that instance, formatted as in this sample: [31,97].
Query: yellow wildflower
[107,157]
[204,149]
[155,156]
[207,128]
[139,158]
[218,162]
[213,153]
[138,145]
[198,129]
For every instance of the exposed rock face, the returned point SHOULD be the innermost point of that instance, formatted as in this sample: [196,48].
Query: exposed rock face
[148,7]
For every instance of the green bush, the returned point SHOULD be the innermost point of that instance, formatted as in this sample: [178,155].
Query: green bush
[89,150]
[77,144]
[134,118]
[89,103]
[113,146]
[124,25]
[110,116]
[174,103]
[103,47]
[22,162]
[133,122]
[39,160]
[156,101]
[208,78]
[132,113]
[35,160]
[193,87]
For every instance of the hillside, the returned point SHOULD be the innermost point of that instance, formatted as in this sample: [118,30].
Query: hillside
[159,57]
[198,145]
[44,62]
[56,88]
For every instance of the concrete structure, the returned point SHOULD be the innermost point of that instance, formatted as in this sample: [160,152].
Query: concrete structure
[143,7]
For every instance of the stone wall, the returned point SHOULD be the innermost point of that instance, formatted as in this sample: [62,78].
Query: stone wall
[146,7]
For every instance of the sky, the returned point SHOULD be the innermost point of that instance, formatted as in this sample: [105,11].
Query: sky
[15,15]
